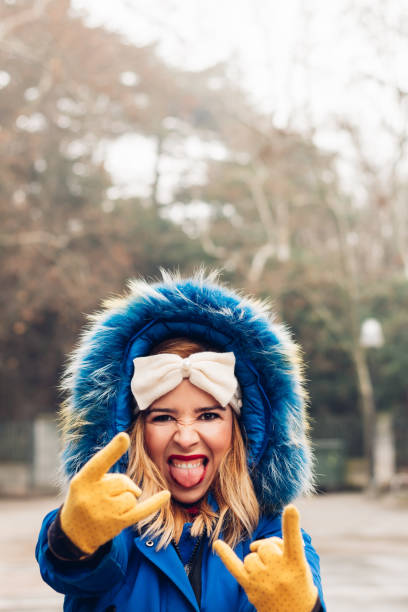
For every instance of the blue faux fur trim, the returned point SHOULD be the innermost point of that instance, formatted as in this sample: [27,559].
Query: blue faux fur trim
[273,413]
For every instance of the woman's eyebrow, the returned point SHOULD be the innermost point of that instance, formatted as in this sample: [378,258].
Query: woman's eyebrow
[172,410]
[209,408]
[169,410]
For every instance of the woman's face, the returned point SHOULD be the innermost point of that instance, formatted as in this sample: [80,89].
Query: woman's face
[187,433]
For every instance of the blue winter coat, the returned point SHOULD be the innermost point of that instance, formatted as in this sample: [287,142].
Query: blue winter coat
[99,404]
[134,577]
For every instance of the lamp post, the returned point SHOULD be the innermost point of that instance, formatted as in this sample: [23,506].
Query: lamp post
[371,336]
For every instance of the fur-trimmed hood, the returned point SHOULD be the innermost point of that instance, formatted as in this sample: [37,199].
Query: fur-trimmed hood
[97,381]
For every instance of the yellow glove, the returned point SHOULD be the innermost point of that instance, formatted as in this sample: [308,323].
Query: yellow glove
[99,505]
[275,576]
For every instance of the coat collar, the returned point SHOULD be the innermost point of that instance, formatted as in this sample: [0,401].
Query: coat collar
[167,560]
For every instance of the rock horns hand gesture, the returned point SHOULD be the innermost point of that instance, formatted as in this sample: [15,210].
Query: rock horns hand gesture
[275,575]
[99,505]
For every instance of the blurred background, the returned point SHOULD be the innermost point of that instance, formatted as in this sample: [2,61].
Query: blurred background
[262,138]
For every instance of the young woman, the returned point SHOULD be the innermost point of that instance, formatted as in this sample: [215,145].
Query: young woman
[185,511]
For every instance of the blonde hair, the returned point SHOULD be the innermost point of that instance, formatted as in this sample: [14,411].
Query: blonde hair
[238,508]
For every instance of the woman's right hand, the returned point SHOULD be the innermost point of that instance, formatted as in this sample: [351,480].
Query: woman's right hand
[99,505]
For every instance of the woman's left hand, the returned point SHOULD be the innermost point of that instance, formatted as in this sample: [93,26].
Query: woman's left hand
[275,575]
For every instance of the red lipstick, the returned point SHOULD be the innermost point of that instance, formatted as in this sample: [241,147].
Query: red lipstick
[186,457]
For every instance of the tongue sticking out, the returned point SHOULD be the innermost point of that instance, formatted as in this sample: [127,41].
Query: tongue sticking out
[187,477]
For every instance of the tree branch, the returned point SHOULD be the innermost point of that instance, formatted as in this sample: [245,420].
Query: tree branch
[22,17]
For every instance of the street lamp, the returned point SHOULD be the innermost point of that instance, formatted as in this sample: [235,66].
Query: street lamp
[371,336]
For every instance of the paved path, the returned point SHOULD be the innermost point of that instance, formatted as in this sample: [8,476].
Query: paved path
[21,586]
[363,545]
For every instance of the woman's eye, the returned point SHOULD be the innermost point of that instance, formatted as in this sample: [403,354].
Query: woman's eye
[209,416]
[162,418]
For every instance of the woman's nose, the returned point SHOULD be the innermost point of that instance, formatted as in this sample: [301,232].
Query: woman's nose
[186,435]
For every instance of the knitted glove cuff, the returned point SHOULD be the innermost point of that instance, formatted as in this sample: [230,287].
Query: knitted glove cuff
[64,549]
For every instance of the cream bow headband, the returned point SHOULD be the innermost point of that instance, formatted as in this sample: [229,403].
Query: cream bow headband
[156,375]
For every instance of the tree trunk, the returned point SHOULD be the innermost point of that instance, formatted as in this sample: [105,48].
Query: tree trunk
[368,409]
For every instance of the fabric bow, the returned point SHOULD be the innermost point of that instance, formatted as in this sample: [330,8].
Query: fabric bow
[156,375]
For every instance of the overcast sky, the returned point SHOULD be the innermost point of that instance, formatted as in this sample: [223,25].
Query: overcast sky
[308,62]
